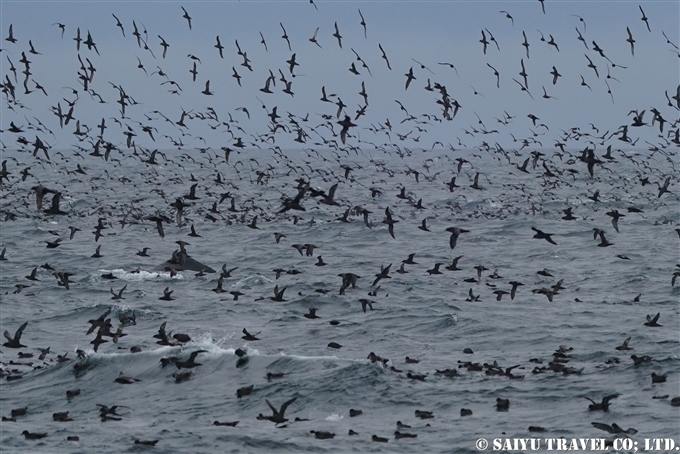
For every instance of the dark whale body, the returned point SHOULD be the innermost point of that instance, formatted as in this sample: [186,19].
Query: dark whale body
[183,263]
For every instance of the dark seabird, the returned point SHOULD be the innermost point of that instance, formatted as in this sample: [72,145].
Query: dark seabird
[73,232]
[125,380]
[143,253]
[455,232]
[321,435]
[278,295]
[61,416]
[615,218]
[659,378]
[499,294]
[54,209]
[638,360]
[170,360]
[472,297]
[14,342]
[650,321]
[465,412]
[329,199]
[119,295]
[568,216]
[423,226]
[613,429]
[99,322]
[33,436]
[97,341]
[502,404]
[244,391]
[249,337]
[514,289]
[218,288]
[181,338]
[31,277]
[604,405]
[383,274]
[346,123]
[253,223]
[311,314]
[334,345]
[450,373]
[389,221]
[292,204]
[480,269]
[409,260]
[435,270]
[378,439]
[366,303]
[193,232]
[353,413]
[398,435]
[181,377]
[19,412]
[277,415]
[236,294]
[624,346]
[53,244]
[146,442]
[543,236]
[454,264]
[40,192]
[167,295]
[226,423]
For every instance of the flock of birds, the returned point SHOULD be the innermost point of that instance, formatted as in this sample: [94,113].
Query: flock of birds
[288,185]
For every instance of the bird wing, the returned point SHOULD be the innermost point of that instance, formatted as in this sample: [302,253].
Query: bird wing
[17,335]
[453,239]
[285,405]
[601,426]
[270,404]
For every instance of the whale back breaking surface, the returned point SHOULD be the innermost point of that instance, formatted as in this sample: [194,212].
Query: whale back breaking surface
[188,264]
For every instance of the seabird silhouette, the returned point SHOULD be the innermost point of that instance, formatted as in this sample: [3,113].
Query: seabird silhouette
[190,363]
[543,236]
[455,232]
[15,342]
[277,415]
[604,405]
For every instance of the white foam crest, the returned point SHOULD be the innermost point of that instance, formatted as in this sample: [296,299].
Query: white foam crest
[252,280]
[142,275]
[311,358]
[334,417]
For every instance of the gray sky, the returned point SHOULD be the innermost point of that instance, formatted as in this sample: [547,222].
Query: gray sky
[429,32]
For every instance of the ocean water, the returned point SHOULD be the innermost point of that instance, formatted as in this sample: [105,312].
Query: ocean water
[422,316]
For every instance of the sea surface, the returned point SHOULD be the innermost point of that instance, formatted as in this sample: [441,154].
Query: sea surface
[417,315]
